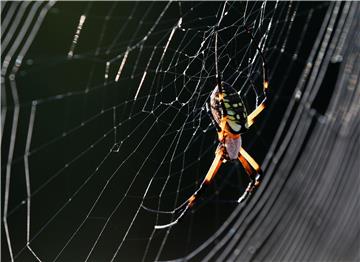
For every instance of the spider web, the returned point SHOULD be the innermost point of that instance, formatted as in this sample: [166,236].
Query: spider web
[103,113]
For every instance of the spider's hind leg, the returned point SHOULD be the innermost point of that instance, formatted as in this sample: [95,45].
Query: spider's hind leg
[251,175]
[254,172]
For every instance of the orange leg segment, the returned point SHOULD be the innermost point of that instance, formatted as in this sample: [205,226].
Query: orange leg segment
[214,167]
[251,118]
[183,209]
[251,160]
[253,170]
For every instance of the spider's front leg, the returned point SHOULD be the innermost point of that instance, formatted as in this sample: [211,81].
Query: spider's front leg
[252,117]
[254,172]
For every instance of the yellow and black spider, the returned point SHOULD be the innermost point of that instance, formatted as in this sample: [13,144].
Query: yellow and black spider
[228,114]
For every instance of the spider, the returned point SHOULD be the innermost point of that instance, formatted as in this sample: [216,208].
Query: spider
[228,114]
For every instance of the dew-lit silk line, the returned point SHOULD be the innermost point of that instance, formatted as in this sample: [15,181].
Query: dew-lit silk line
[122,65]
[76,36]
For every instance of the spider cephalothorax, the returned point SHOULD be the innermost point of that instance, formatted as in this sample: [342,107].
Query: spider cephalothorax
[228,114]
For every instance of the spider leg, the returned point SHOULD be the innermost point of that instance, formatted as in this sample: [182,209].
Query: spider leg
[252,117]
[219,126]
[185,207]
[218,75]
[254,114]
[251,175]
[253,170]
